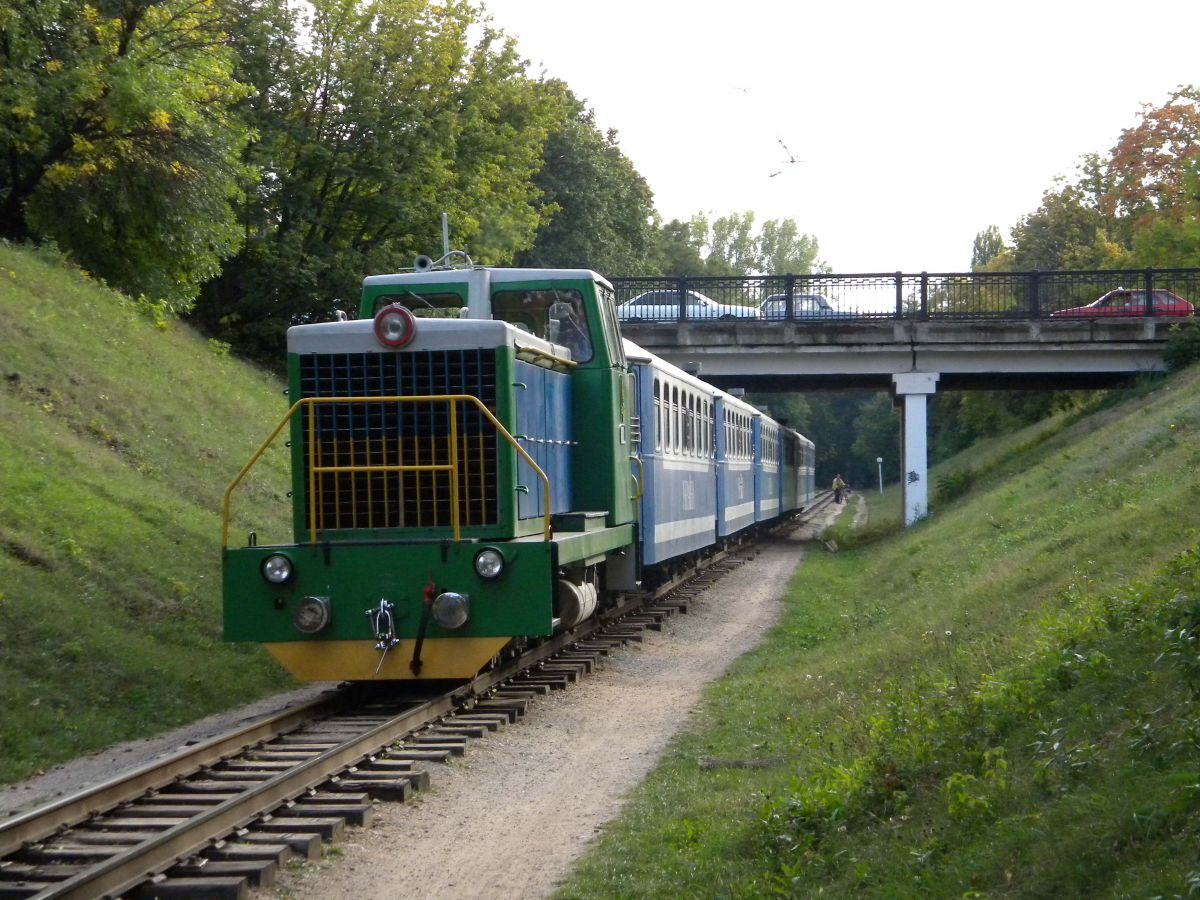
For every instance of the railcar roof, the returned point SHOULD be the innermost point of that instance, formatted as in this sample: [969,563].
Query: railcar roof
[739,404]
[636,352]
[642,356]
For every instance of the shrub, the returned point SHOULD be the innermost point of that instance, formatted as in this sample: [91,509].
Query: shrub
[1183,344]
[953,485]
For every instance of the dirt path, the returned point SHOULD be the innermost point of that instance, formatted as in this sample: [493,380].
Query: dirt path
[528,800]
[511,819]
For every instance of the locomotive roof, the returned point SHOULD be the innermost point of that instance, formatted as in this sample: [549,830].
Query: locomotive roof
[436,276]
[358,335]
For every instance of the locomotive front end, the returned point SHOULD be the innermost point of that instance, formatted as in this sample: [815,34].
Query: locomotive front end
[421,523]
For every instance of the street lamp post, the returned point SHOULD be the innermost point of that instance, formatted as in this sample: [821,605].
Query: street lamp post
[879,462]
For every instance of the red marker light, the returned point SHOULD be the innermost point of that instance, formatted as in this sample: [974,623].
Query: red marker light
[395,326]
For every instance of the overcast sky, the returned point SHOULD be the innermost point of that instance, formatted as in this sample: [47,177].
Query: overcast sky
[918,123]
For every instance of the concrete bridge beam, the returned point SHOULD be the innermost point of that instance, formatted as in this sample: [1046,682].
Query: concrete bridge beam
[913,390]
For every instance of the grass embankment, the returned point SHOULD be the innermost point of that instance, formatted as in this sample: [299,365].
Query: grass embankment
[999,702]
[120,432]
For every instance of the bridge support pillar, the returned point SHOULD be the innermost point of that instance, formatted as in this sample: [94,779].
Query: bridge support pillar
[913,390]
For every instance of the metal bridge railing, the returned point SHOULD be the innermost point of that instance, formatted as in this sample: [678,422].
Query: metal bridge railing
[896,295]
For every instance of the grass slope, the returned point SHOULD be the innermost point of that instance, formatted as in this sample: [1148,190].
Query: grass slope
[1000,702]
[120,431]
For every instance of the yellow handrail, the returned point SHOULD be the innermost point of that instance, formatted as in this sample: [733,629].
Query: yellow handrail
[315,468]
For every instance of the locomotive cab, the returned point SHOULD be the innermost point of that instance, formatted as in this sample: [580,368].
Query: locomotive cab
[461,477]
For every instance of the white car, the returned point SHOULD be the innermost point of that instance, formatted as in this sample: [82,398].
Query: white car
[663,306]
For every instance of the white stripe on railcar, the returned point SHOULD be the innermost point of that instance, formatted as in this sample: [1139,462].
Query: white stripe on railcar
[665,532]
[742,509]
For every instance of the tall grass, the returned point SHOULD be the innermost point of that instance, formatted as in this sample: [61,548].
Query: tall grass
[121,429]
[997,702]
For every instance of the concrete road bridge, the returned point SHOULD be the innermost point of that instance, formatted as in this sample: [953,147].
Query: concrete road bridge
[911,334]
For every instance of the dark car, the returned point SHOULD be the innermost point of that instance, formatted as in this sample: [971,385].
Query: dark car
[1124,302]
[804,306]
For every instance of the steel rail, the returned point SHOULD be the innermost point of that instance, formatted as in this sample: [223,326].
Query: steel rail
[143,861]
[48,819]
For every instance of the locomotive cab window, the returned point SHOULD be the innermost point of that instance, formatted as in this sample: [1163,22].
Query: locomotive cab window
[554,315]
[424,305]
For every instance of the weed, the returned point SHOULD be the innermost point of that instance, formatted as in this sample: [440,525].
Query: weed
[952,485]
[157,311]
[846,537]
[1060,765]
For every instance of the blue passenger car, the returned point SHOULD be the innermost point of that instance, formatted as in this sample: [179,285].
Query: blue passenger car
[710,466]
[735,464]
[678,513]
[767,466]
[797,468]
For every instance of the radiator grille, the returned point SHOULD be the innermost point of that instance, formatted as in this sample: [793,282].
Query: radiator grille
[399,434]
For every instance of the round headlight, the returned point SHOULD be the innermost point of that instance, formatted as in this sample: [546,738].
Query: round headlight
[489,563]
[277,569]
[395,326]
[450,610]
[311,615]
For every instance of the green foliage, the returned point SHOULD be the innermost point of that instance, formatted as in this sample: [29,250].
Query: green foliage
[1068,231]
[999,702]
[375,118]
[1183,344]
[1136,206]
[961,418]
[784,250]
[729,245]
[598,208]
[952,485]
[876,434]
[120,139]
[988,245]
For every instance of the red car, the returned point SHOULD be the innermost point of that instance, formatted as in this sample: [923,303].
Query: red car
[1124,302]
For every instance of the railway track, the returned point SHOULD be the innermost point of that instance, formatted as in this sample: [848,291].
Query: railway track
[221,816]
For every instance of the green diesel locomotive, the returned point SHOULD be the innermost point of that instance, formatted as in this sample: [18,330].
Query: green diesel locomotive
[464,477]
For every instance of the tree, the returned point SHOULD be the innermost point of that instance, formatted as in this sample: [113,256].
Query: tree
[374,119]
[876,435]
[599,209]
[729,246]
[1148,167]
[1068,231]
[988,245]
[791,410]
[1172,238]
[676,250]
[120,138]
[784,250]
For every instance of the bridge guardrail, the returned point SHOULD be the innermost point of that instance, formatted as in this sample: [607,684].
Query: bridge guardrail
[822,298]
